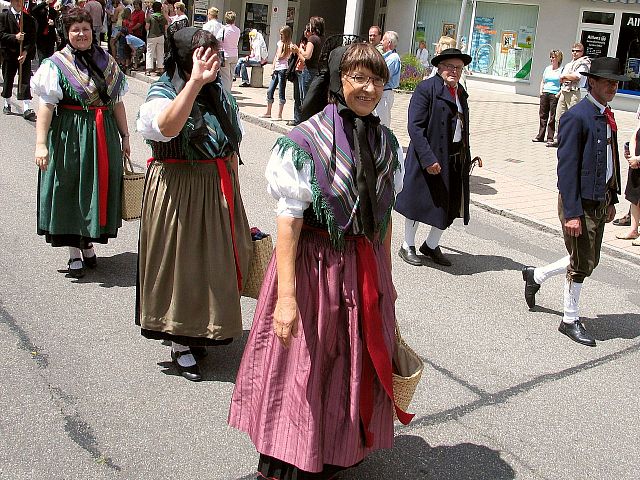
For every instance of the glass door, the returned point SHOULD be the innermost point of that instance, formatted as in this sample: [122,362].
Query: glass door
[255,15]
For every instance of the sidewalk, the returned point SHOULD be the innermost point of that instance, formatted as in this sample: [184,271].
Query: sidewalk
[518,179]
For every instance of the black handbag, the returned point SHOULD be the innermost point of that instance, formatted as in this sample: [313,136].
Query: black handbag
[291,68]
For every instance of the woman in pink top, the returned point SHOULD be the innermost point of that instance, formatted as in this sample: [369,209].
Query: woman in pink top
[279,76]
[229,36]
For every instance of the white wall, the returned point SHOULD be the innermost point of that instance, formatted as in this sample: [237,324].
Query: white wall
[401,16]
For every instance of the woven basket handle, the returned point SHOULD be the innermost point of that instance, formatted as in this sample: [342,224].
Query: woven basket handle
[126,164]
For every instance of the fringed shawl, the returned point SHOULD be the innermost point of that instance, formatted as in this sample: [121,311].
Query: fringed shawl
[333,176]
[76,80]
[214,144]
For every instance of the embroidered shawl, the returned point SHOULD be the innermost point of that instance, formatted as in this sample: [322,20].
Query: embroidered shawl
[214,144]
[76,80]
[322,142]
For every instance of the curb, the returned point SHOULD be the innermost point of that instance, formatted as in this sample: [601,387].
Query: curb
[545,227]
[510,214]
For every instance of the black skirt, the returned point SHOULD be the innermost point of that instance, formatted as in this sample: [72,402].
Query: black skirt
[272,468]
[632,192]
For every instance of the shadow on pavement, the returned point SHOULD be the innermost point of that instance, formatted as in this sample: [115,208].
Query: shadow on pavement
[115,271]
[220,365]
[413,458]
[616,325]
[480,185]
[464,263]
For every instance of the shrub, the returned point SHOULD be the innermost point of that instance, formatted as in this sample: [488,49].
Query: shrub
[411,72]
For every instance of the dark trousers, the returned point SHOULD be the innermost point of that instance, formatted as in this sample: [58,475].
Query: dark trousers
[548,104]
[9,71]
[297,101]
[584,251]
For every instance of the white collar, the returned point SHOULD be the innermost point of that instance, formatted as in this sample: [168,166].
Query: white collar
[596,103]
[15,12]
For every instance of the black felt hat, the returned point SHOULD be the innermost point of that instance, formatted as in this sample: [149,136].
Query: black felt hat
[450,53]
[606,67]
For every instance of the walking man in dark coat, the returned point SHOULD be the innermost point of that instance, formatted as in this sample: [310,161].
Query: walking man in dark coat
[46,16]
[18,49]
[436,181]
[589,184]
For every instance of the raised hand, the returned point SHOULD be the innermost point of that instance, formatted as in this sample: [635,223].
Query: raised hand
[205,65]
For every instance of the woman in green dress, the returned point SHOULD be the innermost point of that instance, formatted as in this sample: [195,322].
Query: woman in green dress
[81,137]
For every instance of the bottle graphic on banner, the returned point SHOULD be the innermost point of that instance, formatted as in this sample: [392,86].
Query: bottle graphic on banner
[633,64]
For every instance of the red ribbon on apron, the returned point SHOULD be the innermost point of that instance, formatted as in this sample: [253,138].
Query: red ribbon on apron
[103,159]
[227,192]
[375,356]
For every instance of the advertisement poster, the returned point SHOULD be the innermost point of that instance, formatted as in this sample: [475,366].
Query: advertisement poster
[199,13]
[482,50]
[525,37]
[508,41]
[629,51]
[596,44]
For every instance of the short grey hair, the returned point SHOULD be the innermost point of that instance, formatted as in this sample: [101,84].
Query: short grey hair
[393,37]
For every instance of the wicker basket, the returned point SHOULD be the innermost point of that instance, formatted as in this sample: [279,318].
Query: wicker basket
[132,189]
[407,371]
[262,250]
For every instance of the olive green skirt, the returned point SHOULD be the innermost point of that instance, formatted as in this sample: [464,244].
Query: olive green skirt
[187,282]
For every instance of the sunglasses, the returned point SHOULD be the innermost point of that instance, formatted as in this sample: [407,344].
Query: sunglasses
[576,50]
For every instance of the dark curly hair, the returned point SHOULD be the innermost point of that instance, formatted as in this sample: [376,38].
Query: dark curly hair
[76,15]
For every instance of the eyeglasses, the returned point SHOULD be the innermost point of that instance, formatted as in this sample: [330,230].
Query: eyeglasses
[452,67]
[364,80]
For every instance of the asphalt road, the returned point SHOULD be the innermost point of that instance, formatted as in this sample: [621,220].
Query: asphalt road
[504,395]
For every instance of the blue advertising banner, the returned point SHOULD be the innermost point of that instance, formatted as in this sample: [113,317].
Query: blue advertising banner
[482,49]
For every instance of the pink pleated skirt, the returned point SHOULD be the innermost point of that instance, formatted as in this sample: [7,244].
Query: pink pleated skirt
[301,404]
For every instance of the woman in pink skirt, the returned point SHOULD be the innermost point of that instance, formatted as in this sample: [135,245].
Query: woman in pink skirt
[314,389]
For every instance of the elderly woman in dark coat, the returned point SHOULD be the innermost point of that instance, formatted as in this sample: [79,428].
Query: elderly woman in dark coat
[438,162]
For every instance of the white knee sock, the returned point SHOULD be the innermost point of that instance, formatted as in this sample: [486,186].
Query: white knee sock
[433,240]
[571,299]
[6,102]
[88,252]
[541,274]
[75,253]
[410,229]
[26,105]
[184,360]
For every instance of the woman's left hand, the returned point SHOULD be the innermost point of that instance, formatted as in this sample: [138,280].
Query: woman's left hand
[126,148]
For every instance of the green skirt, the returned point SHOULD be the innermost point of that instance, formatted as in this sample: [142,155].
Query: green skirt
[68,203]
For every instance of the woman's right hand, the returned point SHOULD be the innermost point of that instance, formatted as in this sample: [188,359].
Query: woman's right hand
[205,66]
[285,320]
[42,157]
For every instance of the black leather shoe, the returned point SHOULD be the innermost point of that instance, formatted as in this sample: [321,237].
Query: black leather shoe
[536,139]
[29,115]
[530,286]
[623,221]
[199,352]
[75,272]
[435,254]
[576,332]
[91,262]
[410,256]
[291,123]
[6,110]
[552,144]
[191,373]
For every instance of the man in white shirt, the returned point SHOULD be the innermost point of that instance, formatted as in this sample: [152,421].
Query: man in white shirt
[571,81]
[391,57]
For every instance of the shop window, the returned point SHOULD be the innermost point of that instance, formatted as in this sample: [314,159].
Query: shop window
[629,51]
[503,39]
[435,18]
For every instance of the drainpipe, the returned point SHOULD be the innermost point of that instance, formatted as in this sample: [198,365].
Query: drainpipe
[463,11]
